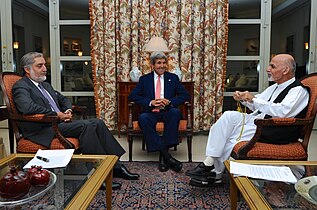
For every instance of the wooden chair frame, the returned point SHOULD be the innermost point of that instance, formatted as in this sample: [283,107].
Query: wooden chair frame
[7,80]
[242,149]
[187,110]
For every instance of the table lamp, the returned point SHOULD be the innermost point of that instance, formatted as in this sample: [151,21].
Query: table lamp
[156,44]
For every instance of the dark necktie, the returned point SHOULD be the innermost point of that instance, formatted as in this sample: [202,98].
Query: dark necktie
[49,98]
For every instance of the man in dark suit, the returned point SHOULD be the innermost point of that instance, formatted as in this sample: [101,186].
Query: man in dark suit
[159,93]
[32,95]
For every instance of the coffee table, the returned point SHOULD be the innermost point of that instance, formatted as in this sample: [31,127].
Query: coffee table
[263,194]
[76,185]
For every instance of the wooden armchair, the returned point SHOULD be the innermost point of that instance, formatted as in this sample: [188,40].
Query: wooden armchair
[7,80]
[184,129]
[294,151]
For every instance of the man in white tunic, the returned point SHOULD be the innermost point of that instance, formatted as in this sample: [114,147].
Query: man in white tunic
[286,98]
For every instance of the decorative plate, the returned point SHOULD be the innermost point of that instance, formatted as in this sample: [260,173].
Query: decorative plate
[307,187]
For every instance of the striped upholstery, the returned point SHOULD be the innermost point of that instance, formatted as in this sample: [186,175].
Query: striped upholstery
[160,126]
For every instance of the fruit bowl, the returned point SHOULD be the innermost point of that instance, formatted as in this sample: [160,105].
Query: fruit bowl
[35,192]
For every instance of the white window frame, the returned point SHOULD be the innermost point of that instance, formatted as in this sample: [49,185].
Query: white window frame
[6,36]
[55,43]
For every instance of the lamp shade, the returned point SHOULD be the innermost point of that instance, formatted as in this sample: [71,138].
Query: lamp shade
[156,44]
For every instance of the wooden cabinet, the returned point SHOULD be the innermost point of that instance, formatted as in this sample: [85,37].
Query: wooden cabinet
[125,88]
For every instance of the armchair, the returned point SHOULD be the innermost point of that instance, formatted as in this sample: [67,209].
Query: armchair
[7,80]
[184,128]
[254,149]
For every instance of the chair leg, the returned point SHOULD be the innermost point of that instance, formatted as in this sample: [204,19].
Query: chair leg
[119,129]
[130,140]
[180,141]
[143,144]
[189,146]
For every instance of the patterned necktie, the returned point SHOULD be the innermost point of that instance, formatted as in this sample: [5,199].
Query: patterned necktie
[49,98]
[157,92]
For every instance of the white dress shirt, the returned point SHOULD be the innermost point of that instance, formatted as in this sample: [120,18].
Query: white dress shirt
[293,103]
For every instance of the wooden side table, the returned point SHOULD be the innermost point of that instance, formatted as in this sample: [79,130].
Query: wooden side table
[124,89]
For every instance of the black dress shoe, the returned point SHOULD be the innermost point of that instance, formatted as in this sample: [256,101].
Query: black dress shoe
[122,172]
[115,186]
[201,170]
[205,182]
[162,165]
[174,164]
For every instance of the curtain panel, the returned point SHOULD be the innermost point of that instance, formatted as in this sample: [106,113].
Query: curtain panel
[196,32]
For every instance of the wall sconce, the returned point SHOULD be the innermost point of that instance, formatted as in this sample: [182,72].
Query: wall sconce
[80,53]
[306,46]
[156,44]
[86,63]
[15,45]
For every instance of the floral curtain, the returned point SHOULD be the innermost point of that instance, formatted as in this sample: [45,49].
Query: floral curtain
[195,31]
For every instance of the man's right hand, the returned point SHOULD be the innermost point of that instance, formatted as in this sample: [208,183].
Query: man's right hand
[159,103]
[66,117]
[243,96]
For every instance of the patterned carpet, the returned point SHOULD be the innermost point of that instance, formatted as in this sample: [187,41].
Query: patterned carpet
[169,190]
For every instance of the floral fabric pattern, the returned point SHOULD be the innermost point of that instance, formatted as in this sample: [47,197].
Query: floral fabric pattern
[196,32]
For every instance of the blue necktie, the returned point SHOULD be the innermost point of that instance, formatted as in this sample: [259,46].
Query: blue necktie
[49,98]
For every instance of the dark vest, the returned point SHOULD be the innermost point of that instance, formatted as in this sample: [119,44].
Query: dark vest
[283,134]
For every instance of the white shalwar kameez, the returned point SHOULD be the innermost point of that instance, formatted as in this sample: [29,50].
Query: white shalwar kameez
[224,133]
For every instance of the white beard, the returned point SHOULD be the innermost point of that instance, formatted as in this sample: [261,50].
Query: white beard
[35,78]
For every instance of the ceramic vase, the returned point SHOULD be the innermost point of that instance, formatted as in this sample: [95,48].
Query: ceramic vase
[178,72]
[135,74]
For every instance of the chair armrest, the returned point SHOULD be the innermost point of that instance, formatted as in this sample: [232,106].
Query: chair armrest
[81,110]
[283,121]
[260,123]
[34,118]
[44,119]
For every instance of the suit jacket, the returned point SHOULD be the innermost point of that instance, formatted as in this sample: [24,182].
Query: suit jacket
[144,92]
[29,100]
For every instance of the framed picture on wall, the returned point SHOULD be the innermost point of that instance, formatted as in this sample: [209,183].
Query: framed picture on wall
[66,47]
[76,47]
[71,45]
[37,44]
[290,45]
[252,46]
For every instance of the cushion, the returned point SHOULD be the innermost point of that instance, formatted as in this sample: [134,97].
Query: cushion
[160,126]
[27,146]
[292,151]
